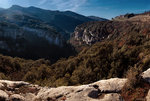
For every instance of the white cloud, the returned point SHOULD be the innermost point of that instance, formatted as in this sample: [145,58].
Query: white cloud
[41,2]
[4,3]
[72,5]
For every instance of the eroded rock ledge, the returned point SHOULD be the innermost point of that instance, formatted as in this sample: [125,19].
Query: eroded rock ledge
[103,90]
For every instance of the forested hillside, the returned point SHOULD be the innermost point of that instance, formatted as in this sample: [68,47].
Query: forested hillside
[126,47]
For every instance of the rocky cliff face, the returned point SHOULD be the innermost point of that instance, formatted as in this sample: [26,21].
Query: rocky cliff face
[18,40]
[103,90]
[33,33]
[92,32]
[28,37]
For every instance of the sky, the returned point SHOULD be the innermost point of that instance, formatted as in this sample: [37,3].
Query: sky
[102,8]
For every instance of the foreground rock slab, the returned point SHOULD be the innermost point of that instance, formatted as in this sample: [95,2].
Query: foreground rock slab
[103,90]
[146,75]
[148,96]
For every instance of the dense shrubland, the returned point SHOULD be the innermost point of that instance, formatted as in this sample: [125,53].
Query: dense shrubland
[103,60]
[128,46]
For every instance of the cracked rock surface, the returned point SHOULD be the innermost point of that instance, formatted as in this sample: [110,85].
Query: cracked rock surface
[103,90]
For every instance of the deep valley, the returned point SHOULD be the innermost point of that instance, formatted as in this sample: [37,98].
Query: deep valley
[63,48]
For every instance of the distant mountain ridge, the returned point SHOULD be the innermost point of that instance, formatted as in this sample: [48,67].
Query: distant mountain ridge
[64,22]
[24,32]
[32,32]
[97,18]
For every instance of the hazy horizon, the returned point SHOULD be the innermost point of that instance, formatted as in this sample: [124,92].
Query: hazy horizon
[102,8]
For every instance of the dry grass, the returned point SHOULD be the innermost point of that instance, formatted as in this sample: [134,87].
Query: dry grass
[136,88]
[134,77]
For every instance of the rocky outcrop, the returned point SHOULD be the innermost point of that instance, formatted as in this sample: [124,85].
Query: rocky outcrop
[146,75]
[148,96]
[119,28]
[32,42]
[91,32]
[16,97]
[3,96]
[113,85]
[103,90]
[123,17]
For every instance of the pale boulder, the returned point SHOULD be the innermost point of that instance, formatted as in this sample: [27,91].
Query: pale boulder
[3,96]
[148,96]
[146,75]
[113,85]
[16,97]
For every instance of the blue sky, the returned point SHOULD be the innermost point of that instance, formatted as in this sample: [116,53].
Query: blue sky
[102,8]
